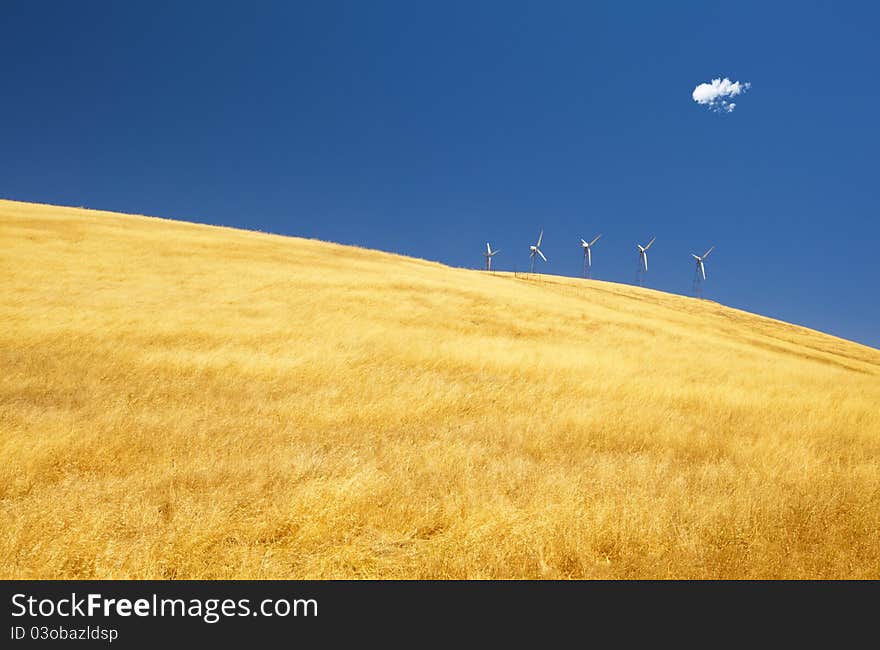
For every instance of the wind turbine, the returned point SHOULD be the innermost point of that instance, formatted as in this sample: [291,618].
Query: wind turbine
[700,273]
[536,249]
[643,259]
[489,254]
[701,268]
[588,257]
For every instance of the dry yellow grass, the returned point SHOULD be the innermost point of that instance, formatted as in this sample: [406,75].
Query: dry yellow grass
[184,401]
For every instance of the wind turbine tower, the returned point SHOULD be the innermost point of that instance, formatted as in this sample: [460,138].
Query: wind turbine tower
[536,250]
[588,256]
[489,254]
[700,272]
[643,262]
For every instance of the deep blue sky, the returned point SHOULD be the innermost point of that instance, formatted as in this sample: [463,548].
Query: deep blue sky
[426,128]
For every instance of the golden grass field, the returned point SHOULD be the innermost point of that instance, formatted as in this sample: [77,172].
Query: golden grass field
[187,401]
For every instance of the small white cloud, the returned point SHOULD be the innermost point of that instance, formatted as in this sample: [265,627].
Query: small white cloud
[717,94]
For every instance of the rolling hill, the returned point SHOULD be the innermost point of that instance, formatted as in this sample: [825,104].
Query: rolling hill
[187,401]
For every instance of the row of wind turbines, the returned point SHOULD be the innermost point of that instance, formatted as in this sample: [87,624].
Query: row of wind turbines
[535,252]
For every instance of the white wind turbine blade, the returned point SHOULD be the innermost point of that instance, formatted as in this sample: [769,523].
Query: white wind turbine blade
[702,269]
[589,257]
[706,254]
[648,245]
[488,249]
[540,237]
[541,254]
[584,244]
[696,257]
[645,258]
[595,240]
